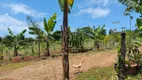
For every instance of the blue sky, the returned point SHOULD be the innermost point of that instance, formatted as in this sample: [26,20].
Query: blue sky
[84,13]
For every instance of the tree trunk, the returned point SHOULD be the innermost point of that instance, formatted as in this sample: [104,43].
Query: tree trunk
[15,50]
[32,48]
[38,48]
[96,45]
[122,67]
[65,57]
[47,49]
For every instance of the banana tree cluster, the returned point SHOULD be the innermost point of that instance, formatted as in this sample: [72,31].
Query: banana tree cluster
[16,40]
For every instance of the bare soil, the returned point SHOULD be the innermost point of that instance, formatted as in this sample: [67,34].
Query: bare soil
[51,69]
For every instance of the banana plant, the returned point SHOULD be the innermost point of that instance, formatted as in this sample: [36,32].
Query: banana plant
[65,6]
[16,40]
[49,27]
[35,30]
[98,35]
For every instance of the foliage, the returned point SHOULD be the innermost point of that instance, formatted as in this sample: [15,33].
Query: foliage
[34,27]
[98,35]
[132,5]
[86,31]
[56,35]
[48,27]
[70,4]
[35,30]
[104,73]
[16,40]
[133,52]
[76,41]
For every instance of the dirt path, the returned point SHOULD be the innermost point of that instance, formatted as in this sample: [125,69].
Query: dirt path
[51,69]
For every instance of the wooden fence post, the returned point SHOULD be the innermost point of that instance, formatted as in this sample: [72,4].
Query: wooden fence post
[122,67]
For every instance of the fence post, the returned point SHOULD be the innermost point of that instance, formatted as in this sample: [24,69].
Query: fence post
[122,67]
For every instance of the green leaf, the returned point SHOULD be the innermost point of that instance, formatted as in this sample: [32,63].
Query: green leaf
[70,4]
[33,33]
[61,3]
[22,33]
[49,26]
[45,25]
[10,32]
[139,23]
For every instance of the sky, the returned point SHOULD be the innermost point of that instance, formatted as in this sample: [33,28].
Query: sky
[84,13]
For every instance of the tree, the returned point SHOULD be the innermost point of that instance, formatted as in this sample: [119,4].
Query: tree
[132,5]
[97,34]
[16,40]
[76,41]
[35,30]
[86,31]
[65,6]
[136,6]
[48,27]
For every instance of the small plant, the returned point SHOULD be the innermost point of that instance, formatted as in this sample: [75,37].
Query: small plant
[133,52]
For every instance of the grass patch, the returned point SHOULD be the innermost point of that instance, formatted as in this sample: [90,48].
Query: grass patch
[106,73]
[12,66]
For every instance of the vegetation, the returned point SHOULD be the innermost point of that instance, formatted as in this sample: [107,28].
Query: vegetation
[105,73]
[16,40]
[35,30]
[48,27]
[51,43]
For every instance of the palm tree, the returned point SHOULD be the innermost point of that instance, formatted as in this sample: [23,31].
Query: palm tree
[16,40]
[48,27]
[65,6]
[35,30]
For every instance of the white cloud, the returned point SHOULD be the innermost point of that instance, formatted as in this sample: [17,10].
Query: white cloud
[22,8]
[15,25]
[94,8]
[100,2]
[95,12]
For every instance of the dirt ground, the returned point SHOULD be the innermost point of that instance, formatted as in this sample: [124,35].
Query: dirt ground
[51,69]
